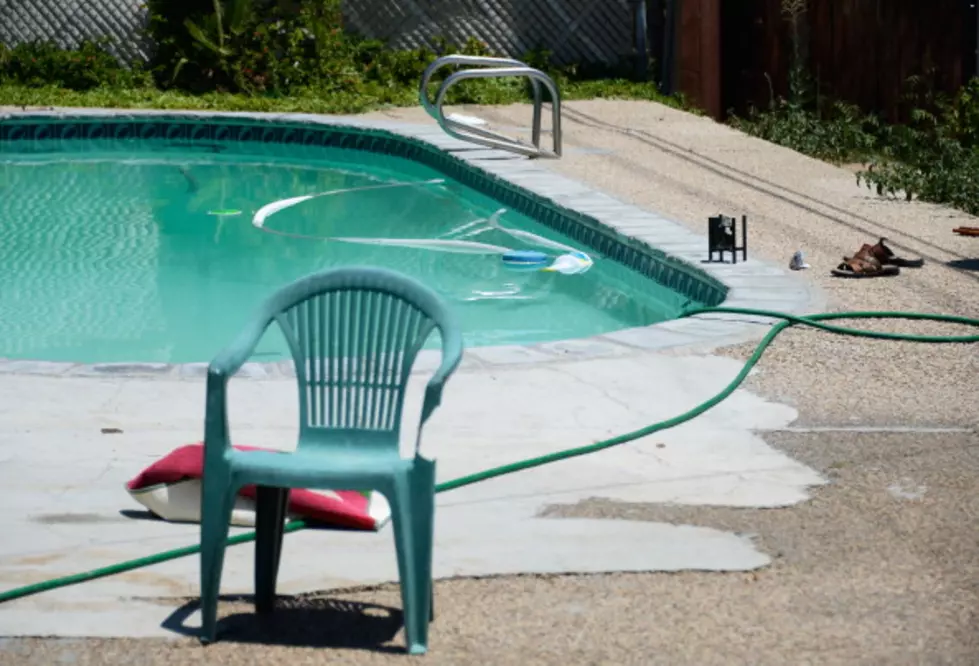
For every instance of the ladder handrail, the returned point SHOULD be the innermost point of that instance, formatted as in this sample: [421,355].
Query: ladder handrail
[493,139]
[477,61]
[456,59]
[492,67]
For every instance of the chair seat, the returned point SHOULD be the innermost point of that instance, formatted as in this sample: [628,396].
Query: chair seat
[362,469]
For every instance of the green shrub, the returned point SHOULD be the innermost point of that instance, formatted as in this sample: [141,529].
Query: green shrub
[265,47]
[841,133]
[961,114]
[87,67]
[935,156]
[273,55]
[273,49]
[242,45]
[277,48]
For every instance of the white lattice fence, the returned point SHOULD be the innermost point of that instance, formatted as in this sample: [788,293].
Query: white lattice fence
[595,31]
[68,22]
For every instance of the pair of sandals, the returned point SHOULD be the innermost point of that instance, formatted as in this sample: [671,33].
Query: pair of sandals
[875,261]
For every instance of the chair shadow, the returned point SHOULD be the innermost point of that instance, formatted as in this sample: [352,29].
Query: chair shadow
[302,622]
[135,514]
[964,264]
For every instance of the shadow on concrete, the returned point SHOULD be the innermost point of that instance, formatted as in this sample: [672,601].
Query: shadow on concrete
[136,514]
[301,622]
[964,264]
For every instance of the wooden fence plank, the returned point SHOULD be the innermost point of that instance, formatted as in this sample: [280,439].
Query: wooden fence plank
[861,51]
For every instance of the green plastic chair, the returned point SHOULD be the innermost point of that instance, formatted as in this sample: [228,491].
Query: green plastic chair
[354,334]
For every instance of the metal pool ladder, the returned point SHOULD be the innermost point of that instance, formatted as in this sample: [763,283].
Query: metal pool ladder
[483,67]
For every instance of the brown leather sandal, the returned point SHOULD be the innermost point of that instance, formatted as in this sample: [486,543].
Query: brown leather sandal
[886,256]
[967,231]
[864,265]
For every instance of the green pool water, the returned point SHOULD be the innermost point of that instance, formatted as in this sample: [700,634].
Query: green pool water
[124,256]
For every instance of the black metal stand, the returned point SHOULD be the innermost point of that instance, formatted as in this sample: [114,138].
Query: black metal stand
[722,233]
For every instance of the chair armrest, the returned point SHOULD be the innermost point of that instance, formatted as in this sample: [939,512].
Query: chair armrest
[217,436]
[230,359]
[451,356]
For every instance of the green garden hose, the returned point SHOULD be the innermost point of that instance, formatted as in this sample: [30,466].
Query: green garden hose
[814,321]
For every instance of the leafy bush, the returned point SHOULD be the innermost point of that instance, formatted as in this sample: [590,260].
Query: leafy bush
[276,48]
[265,47]
[245,45]
[273,55]
[935,156]
[806,122]
[841,133]
[87,67]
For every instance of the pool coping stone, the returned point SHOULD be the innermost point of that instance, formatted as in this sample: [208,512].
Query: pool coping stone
[752,284]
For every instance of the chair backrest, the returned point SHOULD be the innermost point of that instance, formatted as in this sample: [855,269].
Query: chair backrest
[354,334]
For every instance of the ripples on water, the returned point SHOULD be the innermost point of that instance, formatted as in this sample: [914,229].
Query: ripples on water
[121,258]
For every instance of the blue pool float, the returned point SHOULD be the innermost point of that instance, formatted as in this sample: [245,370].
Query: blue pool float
[527,259]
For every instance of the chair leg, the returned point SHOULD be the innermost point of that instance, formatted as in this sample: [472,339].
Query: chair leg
[217,503]
[270,514]
[413,513]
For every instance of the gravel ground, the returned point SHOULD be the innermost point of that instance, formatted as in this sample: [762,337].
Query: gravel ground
[879,568]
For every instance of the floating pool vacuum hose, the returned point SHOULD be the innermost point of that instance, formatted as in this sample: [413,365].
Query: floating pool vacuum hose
[813,321]
[571,262]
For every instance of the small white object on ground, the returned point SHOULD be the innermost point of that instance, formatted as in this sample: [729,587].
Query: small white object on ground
[798,263]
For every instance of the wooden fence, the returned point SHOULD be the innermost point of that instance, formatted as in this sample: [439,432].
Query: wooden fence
[862,51]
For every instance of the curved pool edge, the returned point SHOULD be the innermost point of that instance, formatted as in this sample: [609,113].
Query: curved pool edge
[750,284]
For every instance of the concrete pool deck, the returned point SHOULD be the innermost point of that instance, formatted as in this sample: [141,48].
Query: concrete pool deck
[65,478]
[64,482]
[878,569]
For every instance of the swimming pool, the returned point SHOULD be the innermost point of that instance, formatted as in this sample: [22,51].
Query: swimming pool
[152,240]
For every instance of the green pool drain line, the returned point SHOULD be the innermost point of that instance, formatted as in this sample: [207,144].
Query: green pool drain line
[813,321]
